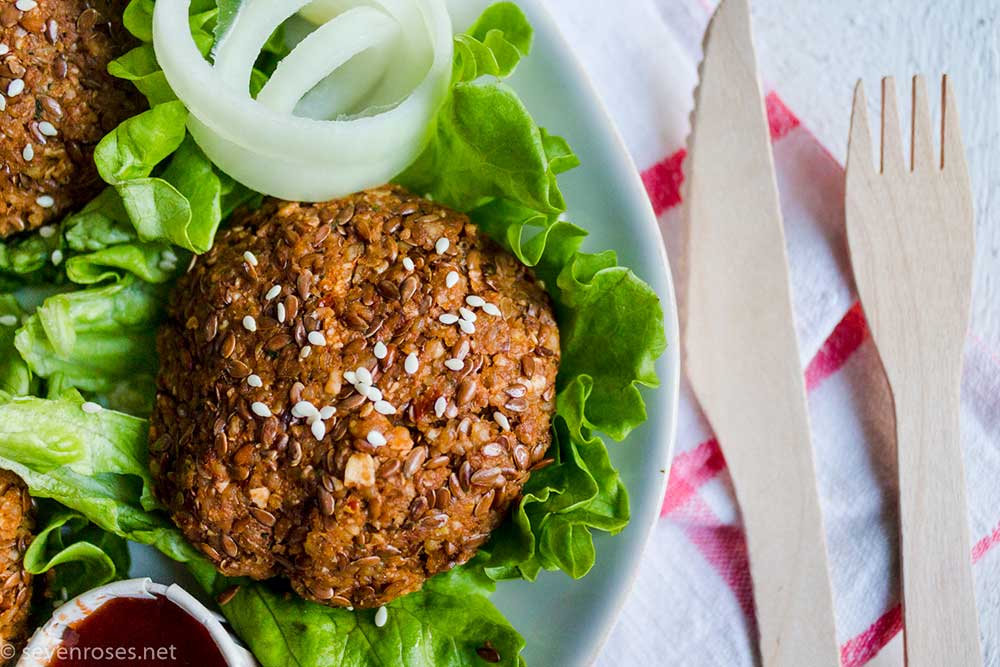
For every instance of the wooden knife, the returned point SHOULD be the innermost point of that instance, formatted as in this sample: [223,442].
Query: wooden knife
[742,351]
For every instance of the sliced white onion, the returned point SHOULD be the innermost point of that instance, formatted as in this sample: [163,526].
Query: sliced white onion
[261,143]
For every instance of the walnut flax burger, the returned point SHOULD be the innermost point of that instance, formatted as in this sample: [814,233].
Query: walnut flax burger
[15,583]
[352,394]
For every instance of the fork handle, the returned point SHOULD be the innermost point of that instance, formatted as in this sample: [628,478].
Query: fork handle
[942,625]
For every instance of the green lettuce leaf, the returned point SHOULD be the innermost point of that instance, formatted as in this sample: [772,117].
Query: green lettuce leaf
[15,376]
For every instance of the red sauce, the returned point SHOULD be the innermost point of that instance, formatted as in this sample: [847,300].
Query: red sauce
[139,633]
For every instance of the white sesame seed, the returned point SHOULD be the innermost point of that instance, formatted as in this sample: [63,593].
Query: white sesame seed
[305,352]
[260,409]
[327,412]
[313,419]
[57,256]
[45,201]
[381,617]
[281,313]
[351,377]
[492,449]
[381,351]
[250,258]
[375,438]
[318,429]
[467,326]
[304,409]
[412,364]
[372,393]
[25,5]
[442,245]
[28,153]
[448,318]
[91,408]
[467,314]
[475,301]
[451,279]
[255,381]
[501,419]
[440,405]
[4,49]
[316,338]
[490,309]
[408,264]
[364,375]
[249,323]
[454,364]
[47,128]
[8,320]
[273,292]
[48,231]
[3,103]
[15,88]
[384,408]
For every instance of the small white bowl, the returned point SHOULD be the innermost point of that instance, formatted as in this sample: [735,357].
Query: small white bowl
[48,638]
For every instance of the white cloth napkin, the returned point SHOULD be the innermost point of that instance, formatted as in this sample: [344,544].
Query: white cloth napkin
[692,605]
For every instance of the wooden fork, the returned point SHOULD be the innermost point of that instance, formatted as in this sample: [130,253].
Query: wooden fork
[910,230]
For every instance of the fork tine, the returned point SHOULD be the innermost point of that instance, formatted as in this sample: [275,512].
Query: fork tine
[859,145]
[952,152]
[921,148]
[892,143]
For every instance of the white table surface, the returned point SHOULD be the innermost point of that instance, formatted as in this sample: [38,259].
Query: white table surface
[814,52]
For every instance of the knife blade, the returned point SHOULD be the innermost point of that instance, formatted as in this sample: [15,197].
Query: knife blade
[742,351]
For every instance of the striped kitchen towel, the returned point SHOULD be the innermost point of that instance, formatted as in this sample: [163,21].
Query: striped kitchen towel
[693,604]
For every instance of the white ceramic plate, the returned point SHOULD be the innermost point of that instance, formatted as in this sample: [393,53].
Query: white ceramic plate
[566,622]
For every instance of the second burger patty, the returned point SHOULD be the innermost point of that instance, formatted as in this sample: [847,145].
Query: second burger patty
[352,394]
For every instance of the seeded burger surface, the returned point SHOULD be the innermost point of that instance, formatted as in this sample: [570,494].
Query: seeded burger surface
[15,583]
[57,101]
[351,394]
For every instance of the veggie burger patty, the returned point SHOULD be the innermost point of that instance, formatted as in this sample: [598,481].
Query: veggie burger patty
[15,583]
[57,102]
[352,394]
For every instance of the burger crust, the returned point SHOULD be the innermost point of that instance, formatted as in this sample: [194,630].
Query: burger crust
[16,524]
[59,101]
[289,302]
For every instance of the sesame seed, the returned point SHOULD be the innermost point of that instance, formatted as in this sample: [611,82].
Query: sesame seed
[8,320]
[260,409]
[47,128]
[448,318]
[381,351]
[273,292]
[255,381]
[467,314]
[375,438]
[475,301]
[372,394]
[412,363]
[281,313]
[408,264]
[3,103]
[250,258]
[318,429]
[304,409]
[91,408]
[381,617]
[249,323]
[57,256]
[384,408]
[45,201]
[364,375]
[316,338]
[490,309]
[442,245]
[327,412]
[492,449]
[28,153]
[351,377]
[440,405]
[4,49]
[15,88]
[467,326]
[313,419]
[25,5]
[501,419]
[48,231]
[454,364]
[305,352]
[451,279]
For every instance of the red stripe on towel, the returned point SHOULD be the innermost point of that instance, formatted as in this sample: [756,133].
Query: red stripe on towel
[846,338]
[663,182]
[866,646]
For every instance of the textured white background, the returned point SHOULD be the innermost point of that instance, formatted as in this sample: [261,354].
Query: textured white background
[813,52]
